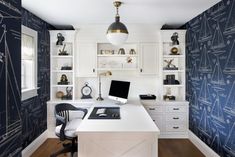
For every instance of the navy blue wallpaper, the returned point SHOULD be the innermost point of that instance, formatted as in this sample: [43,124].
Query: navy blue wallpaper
[211,77]
[34,110]
[10,90]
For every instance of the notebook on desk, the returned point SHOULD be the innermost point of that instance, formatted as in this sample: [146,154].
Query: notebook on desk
[105,113]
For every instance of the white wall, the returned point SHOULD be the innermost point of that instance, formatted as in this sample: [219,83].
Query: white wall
[139,84]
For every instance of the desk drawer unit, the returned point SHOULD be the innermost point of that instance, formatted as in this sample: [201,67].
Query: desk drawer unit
[176,108]
[170,117]
[154,109]
[176,128]
[176,118]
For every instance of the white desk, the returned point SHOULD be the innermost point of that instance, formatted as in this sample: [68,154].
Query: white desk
[134,135]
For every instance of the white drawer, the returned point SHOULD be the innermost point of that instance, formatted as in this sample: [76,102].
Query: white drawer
[159,120]
[176,117]
[154,109]
[175,128]
[176,108]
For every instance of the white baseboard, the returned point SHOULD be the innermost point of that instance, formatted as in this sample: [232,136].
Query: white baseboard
[28,151]
[205,149]
[51,134]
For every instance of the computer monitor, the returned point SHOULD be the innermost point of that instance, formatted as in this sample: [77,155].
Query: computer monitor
[119,91]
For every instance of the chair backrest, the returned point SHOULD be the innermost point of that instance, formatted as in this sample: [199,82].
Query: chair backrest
[62,115]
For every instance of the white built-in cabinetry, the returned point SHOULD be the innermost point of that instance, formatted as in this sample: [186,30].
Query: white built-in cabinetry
[86,60]
[59,61]
[171,117]
[94,57]
[149,58]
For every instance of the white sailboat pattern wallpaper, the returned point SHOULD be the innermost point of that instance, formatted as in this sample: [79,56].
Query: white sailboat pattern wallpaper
[210,77]
[10,89]
[21,121]
[34,110]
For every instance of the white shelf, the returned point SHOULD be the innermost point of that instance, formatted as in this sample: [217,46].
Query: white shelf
[173,71]
[65,56]
[174,56]
[127,69]
[173,85]
[62,71]
[117,55]
[70,85]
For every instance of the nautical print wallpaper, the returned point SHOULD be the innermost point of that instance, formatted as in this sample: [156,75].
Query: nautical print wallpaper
[10,78]
[34,110]
[211,77]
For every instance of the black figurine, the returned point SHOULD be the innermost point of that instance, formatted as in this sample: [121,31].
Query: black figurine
[60,39]
[174,39]
[63,80]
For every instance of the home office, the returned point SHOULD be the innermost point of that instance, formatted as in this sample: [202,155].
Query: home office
[130,78]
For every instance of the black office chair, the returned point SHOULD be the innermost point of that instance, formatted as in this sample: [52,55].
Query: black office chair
[66,126]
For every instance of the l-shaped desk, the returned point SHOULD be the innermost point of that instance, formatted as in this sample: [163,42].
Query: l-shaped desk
[134,135]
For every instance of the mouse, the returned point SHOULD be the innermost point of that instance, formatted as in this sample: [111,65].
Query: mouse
[102,115]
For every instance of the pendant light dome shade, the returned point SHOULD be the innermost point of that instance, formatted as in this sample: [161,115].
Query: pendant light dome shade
[117,32]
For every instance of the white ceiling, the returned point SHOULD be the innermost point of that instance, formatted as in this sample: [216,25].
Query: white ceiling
[80,12]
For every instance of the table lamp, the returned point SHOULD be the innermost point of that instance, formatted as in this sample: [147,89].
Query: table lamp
[107,73]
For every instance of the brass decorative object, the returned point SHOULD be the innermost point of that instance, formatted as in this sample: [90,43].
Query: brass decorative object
[107,73]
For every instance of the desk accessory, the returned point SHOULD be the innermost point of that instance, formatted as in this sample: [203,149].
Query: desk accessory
[105,113]
[147,97]
[86,92]
[107,73]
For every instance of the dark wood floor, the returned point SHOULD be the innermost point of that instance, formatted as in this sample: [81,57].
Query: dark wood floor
[167,148]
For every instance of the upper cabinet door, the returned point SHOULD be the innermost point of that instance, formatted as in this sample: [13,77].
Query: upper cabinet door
[149,59]
[86,60]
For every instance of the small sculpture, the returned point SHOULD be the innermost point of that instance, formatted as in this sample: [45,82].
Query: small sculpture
[129,60]
[169,65]
[63,52]
[132,52]
[175,44]
[174,39]
[60,39]
[68,95]
[168,95]
[63,80]
[121,51]
[59,94]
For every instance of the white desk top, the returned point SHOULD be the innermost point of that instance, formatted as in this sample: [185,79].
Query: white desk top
[134,118]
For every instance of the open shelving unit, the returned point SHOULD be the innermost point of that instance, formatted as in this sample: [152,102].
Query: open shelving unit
[109,58]
[58,61]
[177,90]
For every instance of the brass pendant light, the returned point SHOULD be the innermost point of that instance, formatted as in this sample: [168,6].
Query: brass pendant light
[117,32]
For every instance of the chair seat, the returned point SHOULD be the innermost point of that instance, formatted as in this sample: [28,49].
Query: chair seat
[70,128]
